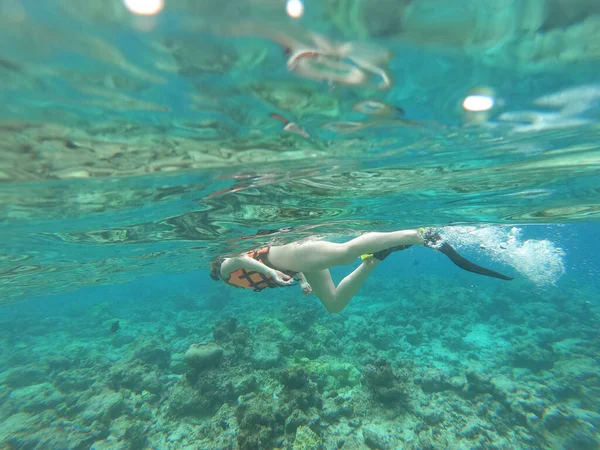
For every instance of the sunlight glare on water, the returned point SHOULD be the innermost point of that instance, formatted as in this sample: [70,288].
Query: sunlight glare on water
[478,103]
[294,8]
[144,7]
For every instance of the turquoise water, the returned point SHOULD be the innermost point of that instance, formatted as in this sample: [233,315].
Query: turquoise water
[136,149]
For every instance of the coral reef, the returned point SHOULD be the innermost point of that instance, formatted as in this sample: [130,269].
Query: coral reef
[306,439]
[454,368]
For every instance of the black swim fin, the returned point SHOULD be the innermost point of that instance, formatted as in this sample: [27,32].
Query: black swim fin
[382,254]
[467,265]
[435,241]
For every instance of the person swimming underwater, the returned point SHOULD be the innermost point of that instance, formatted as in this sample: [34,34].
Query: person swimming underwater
[309,262]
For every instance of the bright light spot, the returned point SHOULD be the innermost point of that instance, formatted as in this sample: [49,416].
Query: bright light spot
[294,8]
[144,7]
[478,103]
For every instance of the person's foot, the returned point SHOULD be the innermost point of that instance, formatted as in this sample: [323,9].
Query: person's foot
[382,254]
[432,238]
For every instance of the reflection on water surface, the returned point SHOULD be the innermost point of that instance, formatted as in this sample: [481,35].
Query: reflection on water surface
[133,144]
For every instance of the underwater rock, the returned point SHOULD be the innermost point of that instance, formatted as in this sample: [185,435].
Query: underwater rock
[432,417]
[36,398]
[24,376]
[22,431]
[304,399]
[355,423]
[15,425]
[581,441]
[271,329]
[135,435]
[260,422]
[414,338]
[233,336]
[311,350]
[374,439]
[381,339]
[294,346]
[151,383]
[245,385]
[59,363]
[533,358]
[135,377]
[481,409]
[480,384]
[301,318]
[306,439]
[178,365]
[223,330]
[203,356]
[585,416]
[240,340]
[555,417]
[379,373]
[266,355]
[383,383]
[200,393]
[563,388]
[119,340]
[148,396]
[299,391]
[437,381]
[333,414]
[104,407]
[335,407]
[579,373]
[332,374]
[184,400]
[73,380]
[471,430]
[294,420]
[154,353]
[390,395]
[294,377]
[527,407]
[182,329]
[532,419]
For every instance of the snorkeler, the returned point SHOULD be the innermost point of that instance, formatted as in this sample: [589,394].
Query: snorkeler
[309,262]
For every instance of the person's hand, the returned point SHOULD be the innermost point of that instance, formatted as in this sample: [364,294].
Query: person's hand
[281,278]
[306,288]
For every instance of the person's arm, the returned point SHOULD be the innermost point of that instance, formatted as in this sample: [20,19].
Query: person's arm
[245,262]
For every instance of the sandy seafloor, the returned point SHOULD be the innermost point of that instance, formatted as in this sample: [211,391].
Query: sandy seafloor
[443,360]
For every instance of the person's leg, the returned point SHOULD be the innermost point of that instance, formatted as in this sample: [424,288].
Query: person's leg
[313,256]
[335,299]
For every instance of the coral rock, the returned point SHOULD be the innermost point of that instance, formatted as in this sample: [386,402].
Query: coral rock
[306,439]
[203,356]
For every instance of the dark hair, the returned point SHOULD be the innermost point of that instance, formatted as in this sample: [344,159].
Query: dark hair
[215,269]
